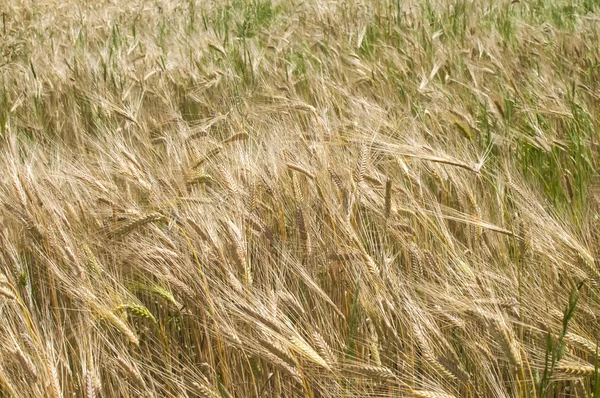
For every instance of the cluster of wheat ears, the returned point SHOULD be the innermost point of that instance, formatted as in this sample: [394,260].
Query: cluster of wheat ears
[283,199]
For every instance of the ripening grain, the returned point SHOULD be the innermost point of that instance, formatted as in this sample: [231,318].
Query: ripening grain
[269,198]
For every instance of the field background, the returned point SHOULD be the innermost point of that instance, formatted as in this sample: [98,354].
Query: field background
[299,199]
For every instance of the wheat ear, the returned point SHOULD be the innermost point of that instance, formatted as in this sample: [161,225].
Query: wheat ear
[301,347]
[324,349]
[431,394]
[136,223]
[131,372]
[387,206]
[300,169]
[379,372]
[589,346]
[573,369]
[27,365]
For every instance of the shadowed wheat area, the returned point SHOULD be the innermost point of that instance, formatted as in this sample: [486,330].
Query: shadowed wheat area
[299,198]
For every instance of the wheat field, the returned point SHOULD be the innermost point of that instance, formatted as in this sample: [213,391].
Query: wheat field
[317,198]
